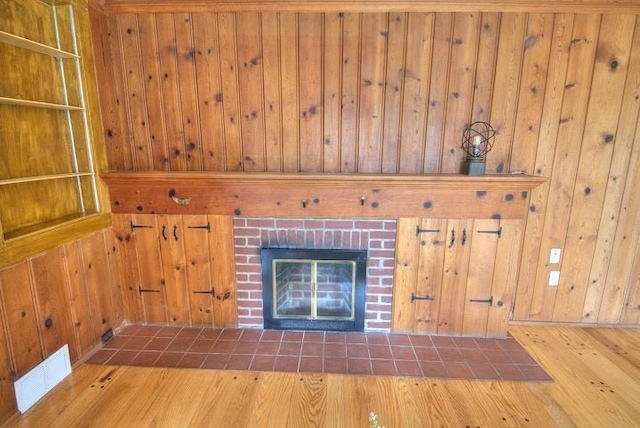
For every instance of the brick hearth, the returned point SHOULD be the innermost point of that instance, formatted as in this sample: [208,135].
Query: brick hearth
[375,236]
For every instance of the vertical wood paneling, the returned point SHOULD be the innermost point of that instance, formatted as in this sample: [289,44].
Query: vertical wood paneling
[486,67]
[505,92]
[549,128]
[459,95]
[156,119]
[416,78]
[228,73]
[134,95]
[8,403]
[631,309]
[438,92]
[250,86]
[612,220]
[118,308]
[51,286]
[106,47]
[562,180]
[20,315]
[310,42]
[391,93]
[272,93]
[167,57]
[79,305]
[187,88]
[622,276]
[289,86]
[51,296]
[350,91]
[612,59]
[96,273]
[332,59]
[527,127]
[372,88]
[394,83]
[210,94]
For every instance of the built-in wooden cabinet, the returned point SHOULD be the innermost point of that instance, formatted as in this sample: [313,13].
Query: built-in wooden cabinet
[179,269]
[455,276]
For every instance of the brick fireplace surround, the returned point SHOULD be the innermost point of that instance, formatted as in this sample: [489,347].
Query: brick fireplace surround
[374,235]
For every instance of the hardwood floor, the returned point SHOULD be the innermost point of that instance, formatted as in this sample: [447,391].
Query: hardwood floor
[596,374]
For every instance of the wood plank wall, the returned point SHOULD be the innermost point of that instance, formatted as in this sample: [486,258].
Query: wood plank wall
[391,93]
[69,295]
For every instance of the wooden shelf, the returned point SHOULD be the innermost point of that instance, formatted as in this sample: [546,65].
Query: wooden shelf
[321,195]
[546,6]
[38,104]
[19,180]
[21,42]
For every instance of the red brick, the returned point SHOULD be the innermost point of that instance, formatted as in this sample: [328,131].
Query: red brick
[368,225]
[314,224]
[390,225]
[379,308]
[246,232]
[239,222]
[385,235]
[263,223]
[338,224]
[289,224]
[378,325]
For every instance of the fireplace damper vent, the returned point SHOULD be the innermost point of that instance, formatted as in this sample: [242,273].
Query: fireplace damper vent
[311,289]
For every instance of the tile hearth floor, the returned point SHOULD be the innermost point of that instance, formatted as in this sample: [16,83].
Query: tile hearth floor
[372,353]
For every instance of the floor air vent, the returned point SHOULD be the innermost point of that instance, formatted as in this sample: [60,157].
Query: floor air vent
[35,384]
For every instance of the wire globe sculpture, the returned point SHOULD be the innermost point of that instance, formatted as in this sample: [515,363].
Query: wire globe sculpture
[478,139]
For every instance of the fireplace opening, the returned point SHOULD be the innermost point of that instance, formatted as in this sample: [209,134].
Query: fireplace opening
[313,289]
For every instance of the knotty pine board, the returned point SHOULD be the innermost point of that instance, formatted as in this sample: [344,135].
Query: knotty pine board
[529,72]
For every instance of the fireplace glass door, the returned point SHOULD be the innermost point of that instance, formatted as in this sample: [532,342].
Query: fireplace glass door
[314,289]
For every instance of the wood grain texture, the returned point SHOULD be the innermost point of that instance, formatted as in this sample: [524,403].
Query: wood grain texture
[595,384]
[555,83]
[50,300]
[585,6]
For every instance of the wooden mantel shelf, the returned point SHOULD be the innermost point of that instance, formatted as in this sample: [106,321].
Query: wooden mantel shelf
[321,195]
[540,6]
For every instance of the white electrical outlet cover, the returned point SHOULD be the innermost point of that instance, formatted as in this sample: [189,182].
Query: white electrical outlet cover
[554,277]
[554,257]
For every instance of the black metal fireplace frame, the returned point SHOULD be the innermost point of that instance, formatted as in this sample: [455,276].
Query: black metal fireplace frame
[358,256]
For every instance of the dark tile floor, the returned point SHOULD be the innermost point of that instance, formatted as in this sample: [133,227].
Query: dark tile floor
[321,352]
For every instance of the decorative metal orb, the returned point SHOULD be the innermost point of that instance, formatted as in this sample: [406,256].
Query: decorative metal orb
[477,139]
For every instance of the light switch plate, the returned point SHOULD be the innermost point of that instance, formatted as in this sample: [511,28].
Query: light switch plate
[554,277]
[554,257]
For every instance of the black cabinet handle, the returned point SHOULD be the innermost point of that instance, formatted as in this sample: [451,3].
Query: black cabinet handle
[452,242]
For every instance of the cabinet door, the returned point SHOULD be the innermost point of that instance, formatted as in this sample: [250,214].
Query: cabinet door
[144,291]
[420,248]
[174,269]
[455,277]
[179,270]
[505,277]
